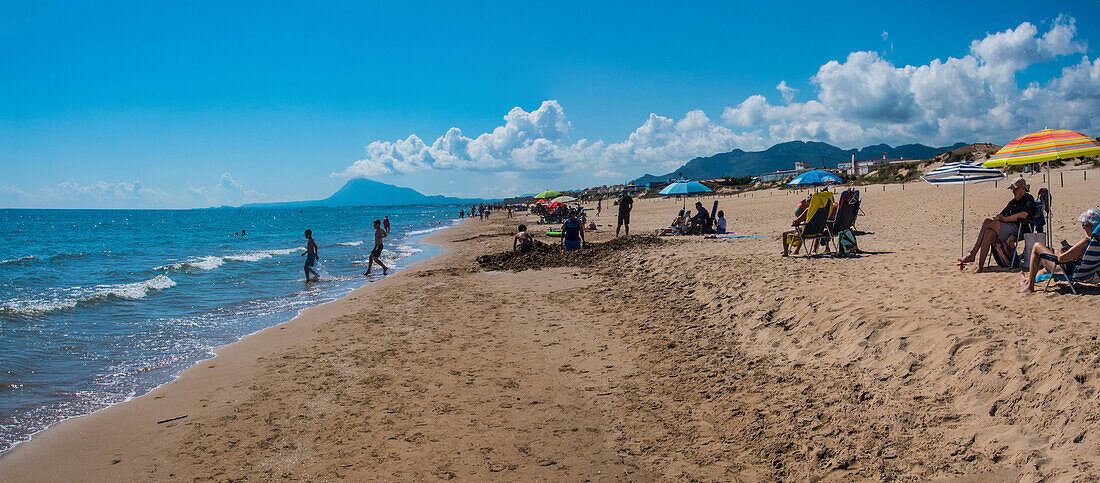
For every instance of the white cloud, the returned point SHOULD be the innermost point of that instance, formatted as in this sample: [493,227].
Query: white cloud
[786,91]
[867,99]
[539,141]
[227,191]
[863,99]
[103,195]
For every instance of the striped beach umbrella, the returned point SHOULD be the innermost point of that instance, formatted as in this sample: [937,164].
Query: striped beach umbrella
[962,173]
[1043,147]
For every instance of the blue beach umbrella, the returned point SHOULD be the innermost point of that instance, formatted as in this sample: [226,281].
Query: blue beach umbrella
[962,173]
[684,187]
[816,177]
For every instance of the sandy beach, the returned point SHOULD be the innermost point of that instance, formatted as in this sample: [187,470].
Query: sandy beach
[683,358]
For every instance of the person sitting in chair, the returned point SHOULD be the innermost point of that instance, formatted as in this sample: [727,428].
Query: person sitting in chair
[1068,254]
[1004,225]
[701,221]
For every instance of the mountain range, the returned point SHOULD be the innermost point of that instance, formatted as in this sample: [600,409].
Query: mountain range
[368,192]
[784,155]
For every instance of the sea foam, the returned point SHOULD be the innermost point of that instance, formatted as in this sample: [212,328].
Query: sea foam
[78,296]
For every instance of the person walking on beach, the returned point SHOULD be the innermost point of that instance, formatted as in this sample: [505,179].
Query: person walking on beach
[376,254]
[311,256]
[599,206]
[625,204]
[386,224]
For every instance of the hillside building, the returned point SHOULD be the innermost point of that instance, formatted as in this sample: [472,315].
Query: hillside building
[866,166]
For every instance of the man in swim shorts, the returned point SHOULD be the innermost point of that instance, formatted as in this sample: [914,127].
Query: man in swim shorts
[376,254]
[311,256]
[625,204]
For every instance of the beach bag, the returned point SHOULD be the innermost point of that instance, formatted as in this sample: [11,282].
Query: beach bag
[846,243]
[1030,239]
[1003,253]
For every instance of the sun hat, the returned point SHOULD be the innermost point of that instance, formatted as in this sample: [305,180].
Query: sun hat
[1019,183]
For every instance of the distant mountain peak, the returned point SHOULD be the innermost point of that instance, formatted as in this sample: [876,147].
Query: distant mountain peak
[784,155]
[368,192]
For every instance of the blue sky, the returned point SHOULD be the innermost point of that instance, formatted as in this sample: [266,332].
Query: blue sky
[155,104]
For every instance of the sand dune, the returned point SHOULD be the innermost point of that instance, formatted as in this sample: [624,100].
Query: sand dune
[686,359]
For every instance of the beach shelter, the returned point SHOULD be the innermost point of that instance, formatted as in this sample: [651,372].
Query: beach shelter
[684,187]
[962,173]
[547,195]
[1043,147]
[565,199]
[816,177]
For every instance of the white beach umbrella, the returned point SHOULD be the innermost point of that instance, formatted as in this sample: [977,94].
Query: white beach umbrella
[962,173]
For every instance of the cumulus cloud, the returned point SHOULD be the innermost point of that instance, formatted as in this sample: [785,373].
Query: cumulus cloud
[71,194]
[539,141]
[867,99]
[862,99]
[786,91]
[104,194]
[226,191]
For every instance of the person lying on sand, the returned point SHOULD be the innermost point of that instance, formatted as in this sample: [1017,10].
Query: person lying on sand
[1068,254]
[523,242]
[1004,225]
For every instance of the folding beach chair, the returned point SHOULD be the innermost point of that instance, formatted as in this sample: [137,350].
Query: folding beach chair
[846,213]
[1085,270]
[816,225]
[1004,254]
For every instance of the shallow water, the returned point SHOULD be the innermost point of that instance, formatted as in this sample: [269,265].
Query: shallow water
[99,306]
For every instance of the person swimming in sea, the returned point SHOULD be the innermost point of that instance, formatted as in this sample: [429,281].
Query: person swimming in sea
[311,256]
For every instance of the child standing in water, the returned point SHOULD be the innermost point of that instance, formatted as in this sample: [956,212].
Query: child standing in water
[376,254]
[311,256]
[386,223]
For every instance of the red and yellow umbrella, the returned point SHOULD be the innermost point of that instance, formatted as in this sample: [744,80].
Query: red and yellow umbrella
[1043,146]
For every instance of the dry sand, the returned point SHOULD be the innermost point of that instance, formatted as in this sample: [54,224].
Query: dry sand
[683,359]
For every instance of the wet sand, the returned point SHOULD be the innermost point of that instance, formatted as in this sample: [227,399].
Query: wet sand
[684,358]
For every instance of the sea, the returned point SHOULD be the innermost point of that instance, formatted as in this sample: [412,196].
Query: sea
[101,306]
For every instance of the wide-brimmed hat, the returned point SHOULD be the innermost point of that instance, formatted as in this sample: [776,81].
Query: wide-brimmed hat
[1019,183]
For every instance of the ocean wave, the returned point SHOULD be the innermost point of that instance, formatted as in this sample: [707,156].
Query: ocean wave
[204,263]
[257,255]
[19,261]
[391,254]
[427,230]
[351,243]
[80,296]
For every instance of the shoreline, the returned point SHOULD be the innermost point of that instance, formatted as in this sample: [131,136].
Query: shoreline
[421,237]
[712,360]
